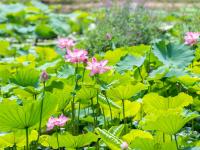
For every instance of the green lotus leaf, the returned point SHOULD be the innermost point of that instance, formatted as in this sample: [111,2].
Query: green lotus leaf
[8,140]
[45,31]
[4,51]
[67,140]
[125,91]
[173,54]
[17,138]
[128,62]
[159,73]
[48,65]
[66,71]
[23,94]
[114,56]
[4,73]
[104,102]
[112,141]
[169,122]
[46,53]
[86,93]
[153,102]
[131,108]
[135,133]
[13,116]
[187,80]
[63,96]
[151,144]
[116,131]
[144,144]
[26,77]
[59,25]
[139,50]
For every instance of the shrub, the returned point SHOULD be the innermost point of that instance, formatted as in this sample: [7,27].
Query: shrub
[122,27]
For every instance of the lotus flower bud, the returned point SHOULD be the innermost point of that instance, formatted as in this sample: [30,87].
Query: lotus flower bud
[44,76]
[124,146]
[108,36]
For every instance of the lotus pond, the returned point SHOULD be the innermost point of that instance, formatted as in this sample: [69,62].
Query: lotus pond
[109,78]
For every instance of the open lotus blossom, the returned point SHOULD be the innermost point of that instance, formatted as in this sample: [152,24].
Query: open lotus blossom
[65,43]
[60,122]
[124,146]
[97,67]
[191,38]
[76,56]
[44,76]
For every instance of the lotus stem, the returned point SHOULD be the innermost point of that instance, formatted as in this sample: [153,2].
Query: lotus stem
[104,118]
[175,137]
[97,109]
[79,108]
[57,139]
[109,106]
[41,111]
[76,80]
[124,116]
[92,106]
[97,96]
[123,111]
[83,75]
[73,99]
[163,137]
[27,148]
[73,113]
[149,62]
[140,74]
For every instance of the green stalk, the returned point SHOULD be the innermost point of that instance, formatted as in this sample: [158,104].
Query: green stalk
[27,148]
[76,81]
[83,74]
[109,106]
[124,116]
[79,108]
[73,114]
[163,137]
[57,139]
[123,111]
[149,64]
[97,109]
[92,106]
[72,103]
[140,74]
[175,137]
[41,111]
[104,117]
[97,96]
[141,112]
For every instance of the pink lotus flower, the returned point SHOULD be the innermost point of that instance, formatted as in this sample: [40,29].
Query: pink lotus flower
[76,56]
[65,43]
[97,67]
[191,38]
[44,76]
[51,123]
[124,146]
[60,122]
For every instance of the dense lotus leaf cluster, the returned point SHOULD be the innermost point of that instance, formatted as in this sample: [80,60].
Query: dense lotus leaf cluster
[61,96]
